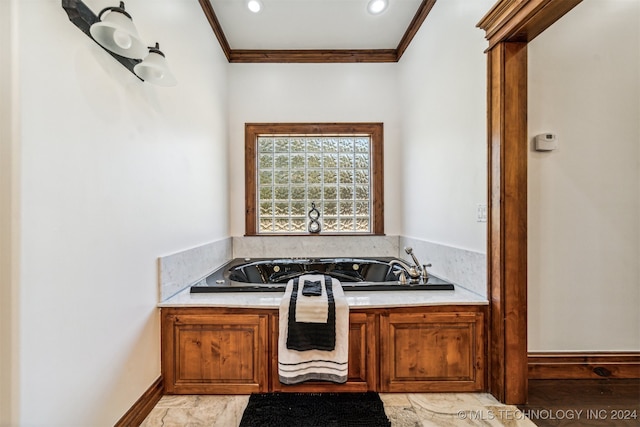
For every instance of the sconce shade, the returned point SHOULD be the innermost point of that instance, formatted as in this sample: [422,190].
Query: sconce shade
[116,33]
[155,69]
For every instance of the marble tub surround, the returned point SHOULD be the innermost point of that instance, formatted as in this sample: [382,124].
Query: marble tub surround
[314,246]
[182,269]
[402,409]
[357,299]
[459,266]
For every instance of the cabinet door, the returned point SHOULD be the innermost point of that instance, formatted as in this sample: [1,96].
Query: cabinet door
[215,353]
[362,359]
[439,351]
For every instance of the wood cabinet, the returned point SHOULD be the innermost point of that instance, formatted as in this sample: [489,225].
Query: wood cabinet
[432,351]
[208,350]
[362,359]
[205,351]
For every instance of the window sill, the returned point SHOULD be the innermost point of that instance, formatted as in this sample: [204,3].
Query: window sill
[313,234]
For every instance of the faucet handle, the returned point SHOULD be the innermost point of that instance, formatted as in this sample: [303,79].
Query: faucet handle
[413,272]
[409,251]
[402,279]
[425,274]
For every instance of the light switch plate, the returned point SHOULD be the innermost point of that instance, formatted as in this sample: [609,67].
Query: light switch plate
[481,213]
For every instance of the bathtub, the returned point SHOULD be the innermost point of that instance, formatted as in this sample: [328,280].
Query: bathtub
[272,275]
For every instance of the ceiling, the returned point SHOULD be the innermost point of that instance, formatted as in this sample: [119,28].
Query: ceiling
[315,30]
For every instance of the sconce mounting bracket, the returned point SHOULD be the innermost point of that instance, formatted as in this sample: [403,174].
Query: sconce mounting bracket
[83,18]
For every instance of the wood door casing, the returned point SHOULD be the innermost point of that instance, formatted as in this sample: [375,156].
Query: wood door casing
[509,26]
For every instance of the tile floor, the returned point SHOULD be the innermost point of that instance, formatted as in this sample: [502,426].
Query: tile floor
[403,410]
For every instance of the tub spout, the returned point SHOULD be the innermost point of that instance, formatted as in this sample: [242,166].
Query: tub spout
[421,269]
[411,270]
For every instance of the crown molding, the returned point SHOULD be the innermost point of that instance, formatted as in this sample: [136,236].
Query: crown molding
[313,56]
[316,55]
[522,20]
[414,26]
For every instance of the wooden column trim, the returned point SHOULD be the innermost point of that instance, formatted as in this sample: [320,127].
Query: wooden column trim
[507,239]
[509,26]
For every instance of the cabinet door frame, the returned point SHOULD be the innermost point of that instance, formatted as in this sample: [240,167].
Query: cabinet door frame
[175,323]
[469,323]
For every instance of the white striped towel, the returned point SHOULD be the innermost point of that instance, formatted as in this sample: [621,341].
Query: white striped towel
[298,366]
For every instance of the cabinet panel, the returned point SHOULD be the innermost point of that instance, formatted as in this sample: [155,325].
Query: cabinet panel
[431,351]
[208,350]
[362,359]
[215,353]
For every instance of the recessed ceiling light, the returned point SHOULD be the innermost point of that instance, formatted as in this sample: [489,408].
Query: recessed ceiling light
[376,7]
[254,6]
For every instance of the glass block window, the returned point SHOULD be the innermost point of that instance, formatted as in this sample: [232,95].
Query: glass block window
[333,166]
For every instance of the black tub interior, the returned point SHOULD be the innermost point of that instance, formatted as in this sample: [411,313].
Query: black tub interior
[282,270]
[272,275]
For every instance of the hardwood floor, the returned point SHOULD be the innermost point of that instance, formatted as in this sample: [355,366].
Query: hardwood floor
[584,403]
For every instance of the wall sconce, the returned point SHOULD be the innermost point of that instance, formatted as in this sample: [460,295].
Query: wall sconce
[154,68]
[117,34]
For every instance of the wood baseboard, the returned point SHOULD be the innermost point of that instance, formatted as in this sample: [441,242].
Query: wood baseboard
[143,406]
[546,366]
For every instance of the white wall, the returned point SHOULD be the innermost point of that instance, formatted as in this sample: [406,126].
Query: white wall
[584,233]
[271,93]
[444,136]
[114,173]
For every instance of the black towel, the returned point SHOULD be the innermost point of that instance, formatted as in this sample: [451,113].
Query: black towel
[312,289]
[312,336]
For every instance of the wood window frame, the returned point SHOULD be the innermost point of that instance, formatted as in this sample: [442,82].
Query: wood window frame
[374,130]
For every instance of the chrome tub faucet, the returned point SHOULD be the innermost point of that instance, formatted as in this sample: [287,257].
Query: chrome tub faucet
[417,272]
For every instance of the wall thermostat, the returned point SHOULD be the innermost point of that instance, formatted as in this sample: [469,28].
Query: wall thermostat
[546,142]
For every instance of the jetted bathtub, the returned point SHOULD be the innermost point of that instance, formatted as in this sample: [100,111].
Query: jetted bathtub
[272,275]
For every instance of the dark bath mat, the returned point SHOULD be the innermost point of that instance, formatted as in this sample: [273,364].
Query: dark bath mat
[315,410]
